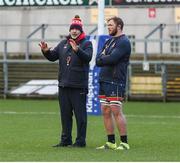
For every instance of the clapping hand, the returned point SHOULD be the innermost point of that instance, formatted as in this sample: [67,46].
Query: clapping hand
[73,45]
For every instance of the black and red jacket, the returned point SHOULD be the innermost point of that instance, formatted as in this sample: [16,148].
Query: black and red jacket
[73,66]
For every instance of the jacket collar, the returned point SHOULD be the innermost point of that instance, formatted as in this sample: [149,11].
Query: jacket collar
[78,39]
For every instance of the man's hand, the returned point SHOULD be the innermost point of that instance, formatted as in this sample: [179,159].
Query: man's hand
[73,45]
[44,47]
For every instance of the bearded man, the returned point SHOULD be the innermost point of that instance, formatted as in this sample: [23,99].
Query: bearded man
[114,60]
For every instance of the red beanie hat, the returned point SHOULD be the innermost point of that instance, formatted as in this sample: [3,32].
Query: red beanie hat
[76,23]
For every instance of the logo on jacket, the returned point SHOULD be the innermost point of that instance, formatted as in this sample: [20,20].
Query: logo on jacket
[113,45]
[68,60]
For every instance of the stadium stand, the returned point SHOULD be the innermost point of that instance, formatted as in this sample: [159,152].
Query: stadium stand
[1,80]
[37,87]
[146,85]
[143,85]
[20,37]
[22,73]
[173,82]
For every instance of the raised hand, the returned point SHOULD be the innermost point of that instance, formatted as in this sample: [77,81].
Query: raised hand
[44,47]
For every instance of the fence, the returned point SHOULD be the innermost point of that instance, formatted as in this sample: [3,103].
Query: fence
[145,39]
[161,82]
[147,79]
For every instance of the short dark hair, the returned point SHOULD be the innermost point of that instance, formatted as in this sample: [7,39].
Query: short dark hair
[117,21]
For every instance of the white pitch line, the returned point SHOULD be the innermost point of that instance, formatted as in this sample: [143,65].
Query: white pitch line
[34,113]
[153,116]
[55,113]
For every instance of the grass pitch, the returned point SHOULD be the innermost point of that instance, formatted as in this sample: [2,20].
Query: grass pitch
[28,129]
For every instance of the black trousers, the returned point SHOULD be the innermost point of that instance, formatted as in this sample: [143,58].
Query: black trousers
[73,100]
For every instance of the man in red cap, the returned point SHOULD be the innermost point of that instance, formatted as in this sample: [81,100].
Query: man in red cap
[74,54]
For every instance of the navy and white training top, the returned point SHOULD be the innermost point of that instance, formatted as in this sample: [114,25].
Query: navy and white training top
[114,59]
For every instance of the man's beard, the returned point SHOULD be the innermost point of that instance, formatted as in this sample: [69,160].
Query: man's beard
[114,32]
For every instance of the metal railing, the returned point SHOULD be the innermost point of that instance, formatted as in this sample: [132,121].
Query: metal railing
[6,45]
[161,41]
[160,27]
[36,35]
[141,41]
[42,28]
[163,72]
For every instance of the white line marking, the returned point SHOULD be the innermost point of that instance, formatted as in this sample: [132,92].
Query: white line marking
[55,113]
[154,116]
[34,113]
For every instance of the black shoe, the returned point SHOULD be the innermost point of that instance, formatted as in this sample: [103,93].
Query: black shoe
[81,145]
[62,145]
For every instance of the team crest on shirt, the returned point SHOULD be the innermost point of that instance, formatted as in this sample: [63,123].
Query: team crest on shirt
[113,93]
[113,45]
[103,52]
[65,46]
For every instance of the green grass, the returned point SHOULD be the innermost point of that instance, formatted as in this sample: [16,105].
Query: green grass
[28,129]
